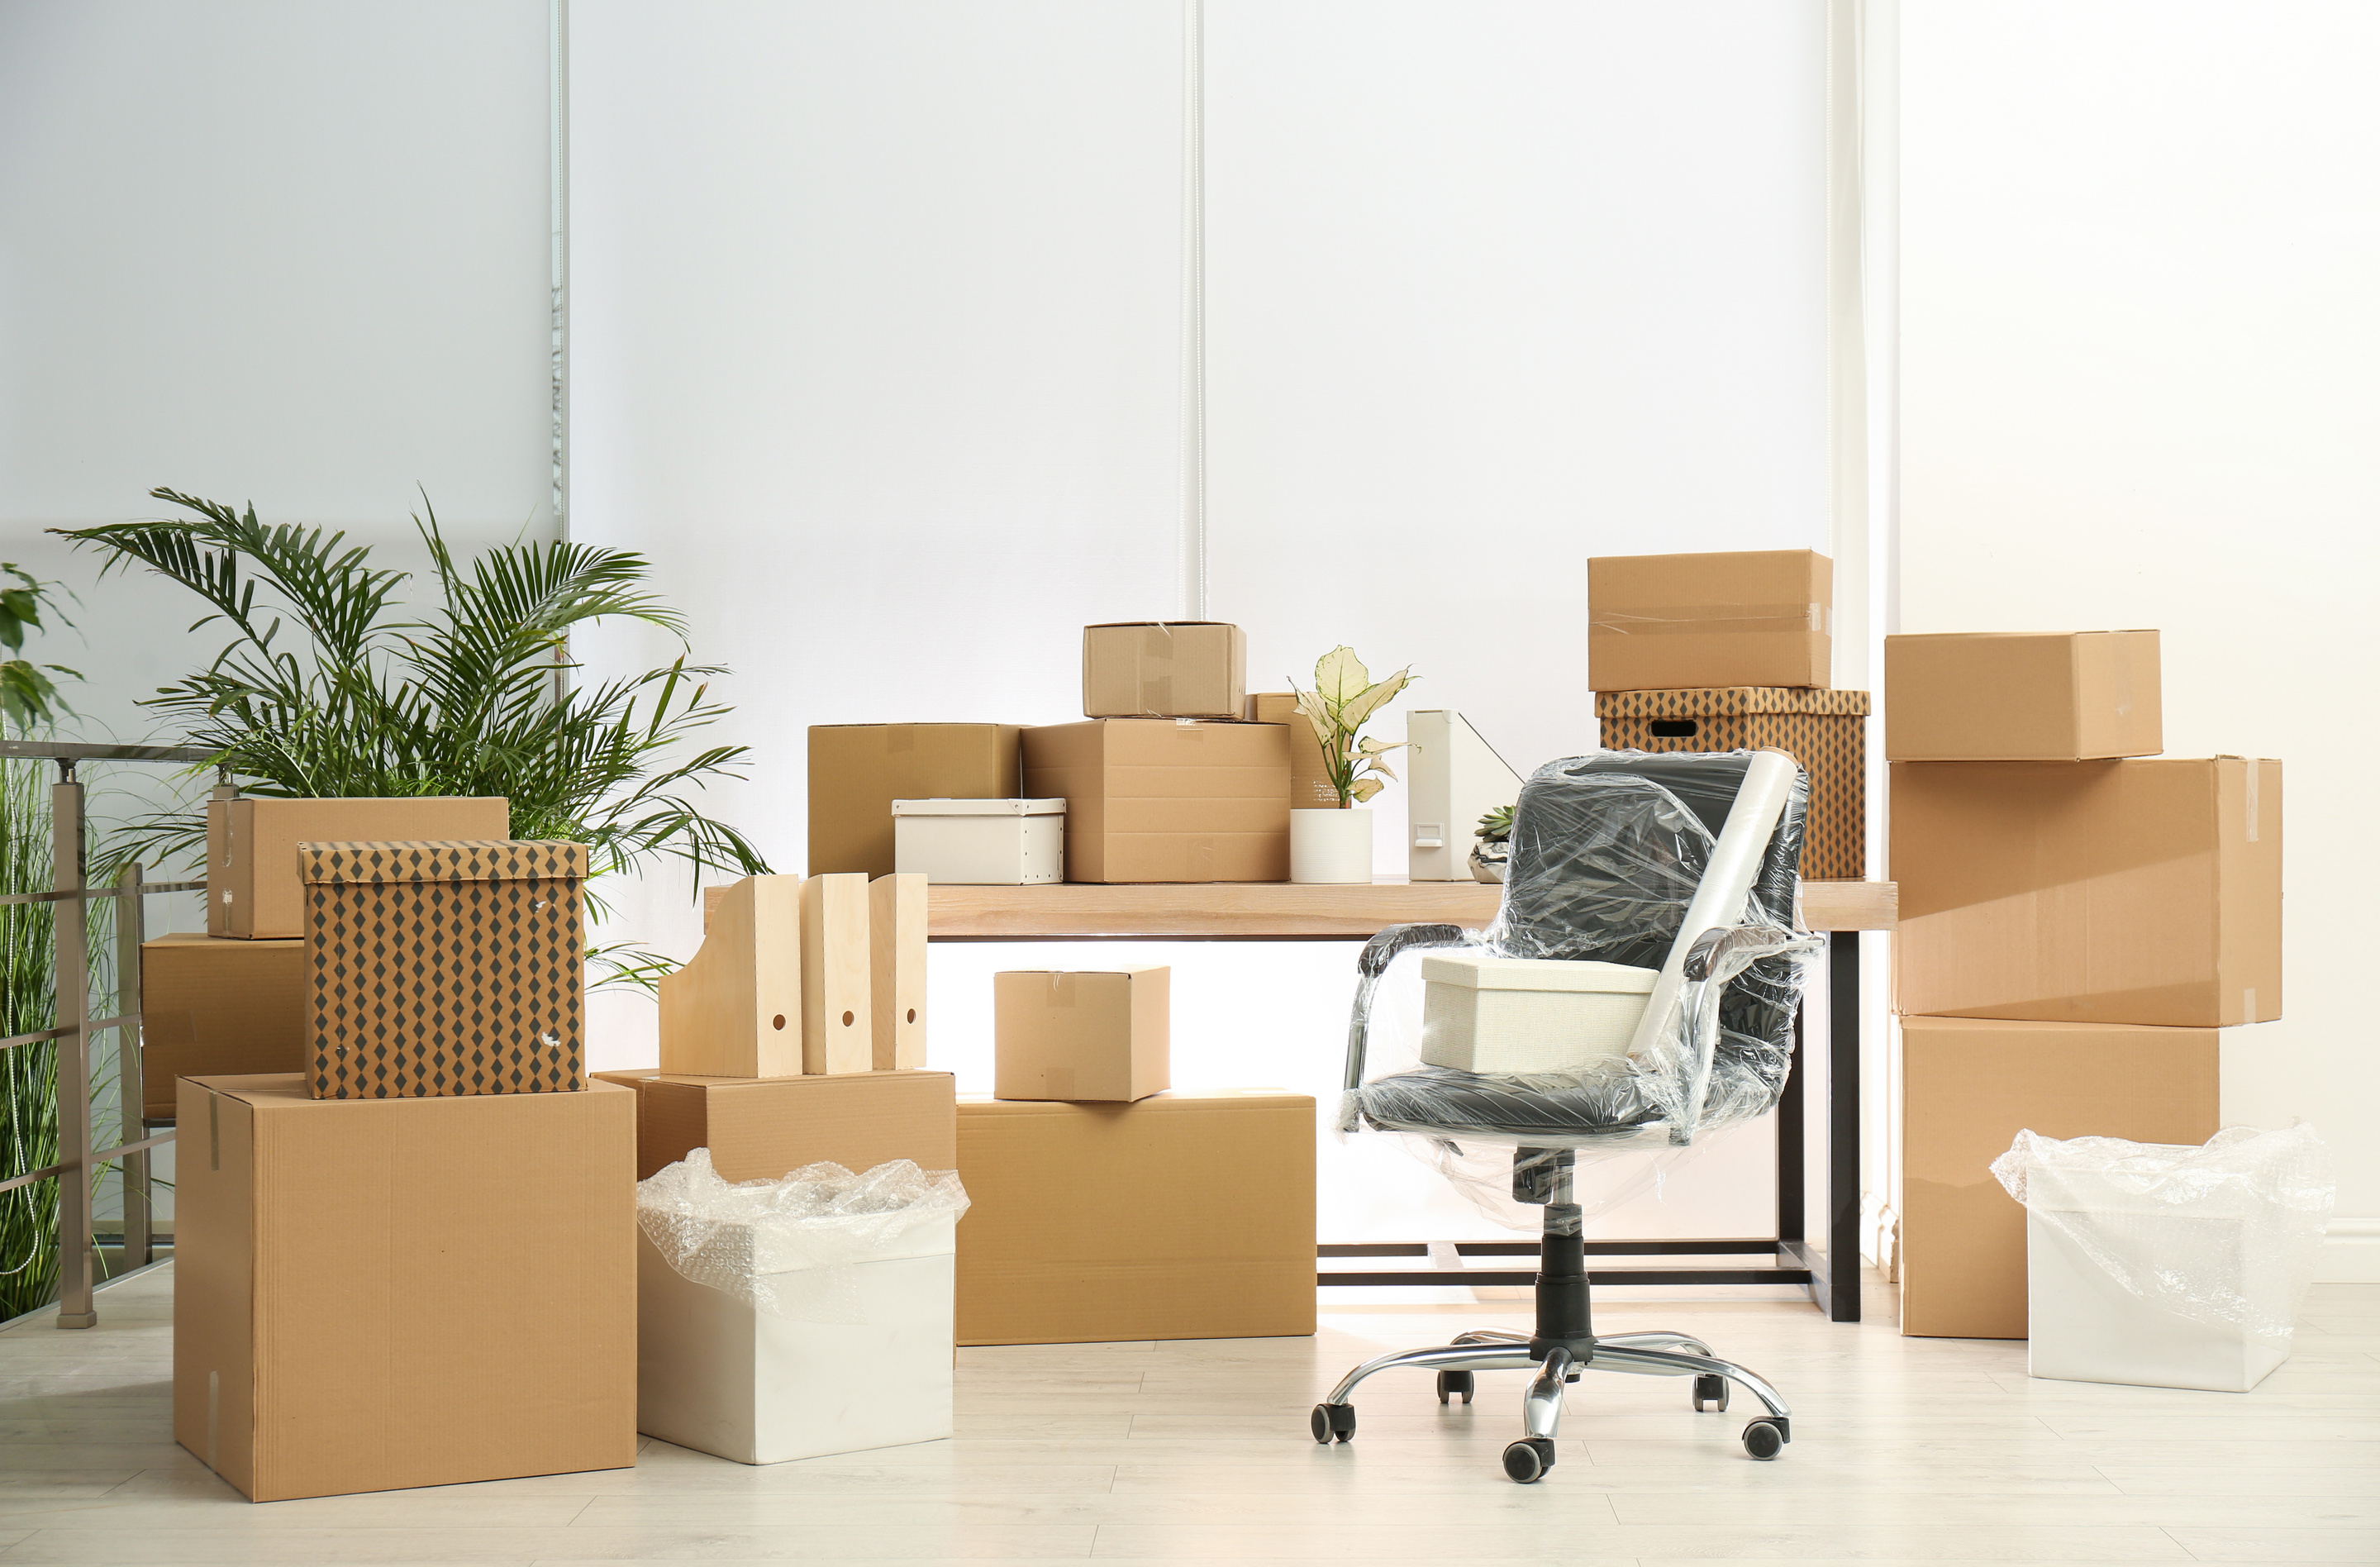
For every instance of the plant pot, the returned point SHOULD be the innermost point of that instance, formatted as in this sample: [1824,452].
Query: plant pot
[1487,860]
[1331,847]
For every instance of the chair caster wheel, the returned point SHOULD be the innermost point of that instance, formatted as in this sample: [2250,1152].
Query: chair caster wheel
[1764,1439]
[1333,1422]
[1527,1459]
[1452,1382]
[1710,1395]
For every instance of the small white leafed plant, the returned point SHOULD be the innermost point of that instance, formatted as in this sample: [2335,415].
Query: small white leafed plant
[1344,697]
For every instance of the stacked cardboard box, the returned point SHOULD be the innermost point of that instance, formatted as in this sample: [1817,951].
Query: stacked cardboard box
[2077,917]
[1733,651]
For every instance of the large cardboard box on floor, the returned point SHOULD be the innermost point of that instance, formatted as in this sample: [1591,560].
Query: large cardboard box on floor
[859,770]
[378,1295]
[2071,696]
[762,1128]
[253,887]
[445,968]
[215,1006]
[1826,730]
[1186,1216]
[2089,891]
[1675,622]
[1162,799]
[1969,1087]
[1082,1034]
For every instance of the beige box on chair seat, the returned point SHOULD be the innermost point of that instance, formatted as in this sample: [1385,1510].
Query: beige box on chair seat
[1481,1012]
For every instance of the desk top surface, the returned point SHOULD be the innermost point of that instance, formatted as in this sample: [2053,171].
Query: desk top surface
[1285,910]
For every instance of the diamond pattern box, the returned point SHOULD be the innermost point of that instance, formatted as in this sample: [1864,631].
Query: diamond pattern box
[1824,730]
[442,969]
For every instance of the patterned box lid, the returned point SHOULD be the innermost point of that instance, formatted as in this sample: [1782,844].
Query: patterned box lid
[1730,701]
[488,860]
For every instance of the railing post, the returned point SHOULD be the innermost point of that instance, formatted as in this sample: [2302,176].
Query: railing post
[73,943]
[132,1119]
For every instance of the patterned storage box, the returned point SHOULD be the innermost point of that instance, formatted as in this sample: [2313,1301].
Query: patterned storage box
[442,969]
[1826,730]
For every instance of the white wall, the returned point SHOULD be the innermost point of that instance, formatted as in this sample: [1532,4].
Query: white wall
[876,349]
[2140,335]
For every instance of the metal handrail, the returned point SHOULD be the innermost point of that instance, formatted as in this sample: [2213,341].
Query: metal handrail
[72,894]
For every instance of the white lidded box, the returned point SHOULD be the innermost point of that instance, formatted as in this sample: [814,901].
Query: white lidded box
[2086,1326]
[1482,1013]
[980,842]
[720,1376]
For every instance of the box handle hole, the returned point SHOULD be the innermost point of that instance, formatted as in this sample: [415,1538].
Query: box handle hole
[1675,728]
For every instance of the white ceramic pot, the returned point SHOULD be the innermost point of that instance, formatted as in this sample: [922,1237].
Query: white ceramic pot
[1330,846]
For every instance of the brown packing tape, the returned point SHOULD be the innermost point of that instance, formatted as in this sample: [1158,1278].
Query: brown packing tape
[1702,620]
[1058,1082]
[1062,991]
[2253,813]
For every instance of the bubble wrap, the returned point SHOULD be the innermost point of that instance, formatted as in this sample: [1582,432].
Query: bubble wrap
[2229,1233]
[788,1246]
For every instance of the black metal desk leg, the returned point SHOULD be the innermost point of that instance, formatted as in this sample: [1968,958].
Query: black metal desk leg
[1842,1211]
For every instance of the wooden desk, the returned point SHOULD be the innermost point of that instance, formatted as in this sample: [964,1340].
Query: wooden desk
[1276,911]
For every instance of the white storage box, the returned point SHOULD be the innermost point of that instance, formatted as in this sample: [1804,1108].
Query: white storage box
[981,842]
[1504,1014]
[2168,1267]
[825,1326]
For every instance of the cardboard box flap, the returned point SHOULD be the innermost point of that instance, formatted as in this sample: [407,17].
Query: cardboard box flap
[1731,702]
[470,861]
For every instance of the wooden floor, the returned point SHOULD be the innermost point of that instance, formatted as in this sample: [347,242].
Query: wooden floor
[1906,1450]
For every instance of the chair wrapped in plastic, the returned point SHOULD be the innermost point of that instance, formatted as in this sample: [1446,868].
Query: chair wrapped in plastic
[1686,863]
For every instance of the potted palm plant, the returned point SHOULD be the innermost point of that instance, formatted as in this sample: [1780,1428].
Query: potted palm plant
[1333,843]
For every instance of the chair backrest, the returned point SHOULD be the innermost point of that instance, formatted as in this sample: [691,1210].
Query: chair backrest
[1607,851]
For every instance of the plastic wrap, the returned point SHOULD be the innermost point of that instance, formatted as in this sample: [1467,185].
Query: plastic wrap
[2229,1233]
[1608,852]
[787,1247]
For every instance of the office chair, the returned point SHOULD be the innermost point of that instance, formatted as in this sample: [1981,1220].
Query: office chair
[1680,862]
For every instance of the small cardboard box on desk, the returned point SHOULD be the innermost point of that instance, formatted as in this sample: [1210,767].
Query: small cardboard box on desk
[382,1293]
[1164,669]
[443,968]
[1675,622]
[1086,1035]
[1166,799]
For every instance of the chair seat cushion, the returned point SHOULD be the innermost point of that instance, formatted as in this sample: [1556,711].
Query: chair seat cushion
[1550,1111]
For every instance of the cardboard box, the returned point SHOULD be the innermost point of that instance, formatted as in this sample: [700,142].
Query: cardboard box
[2089,891]
[1186,1216]
[897,915]
[2069,696]
[214,1006]
[715,1375]
[1309,779]
[859,770]
[1676,623]
[759,1129]
[735,1009]
[1969,1087]
[981,842]
[1105,1035]
[253,886]
[1164,669]
[1826,730]
[445,968]
[1160,799]
[378,1295]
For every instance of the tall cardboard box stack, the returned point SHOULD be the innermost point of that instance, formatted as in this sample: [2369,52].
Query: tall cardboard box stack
[2079,916]
[1734,651]
[406,1260]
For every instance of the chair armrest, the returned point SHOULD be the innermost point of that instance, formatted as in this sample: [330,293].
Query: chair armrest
[1378,953]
